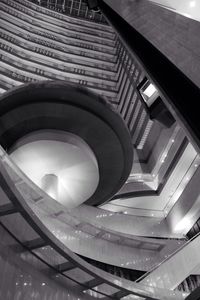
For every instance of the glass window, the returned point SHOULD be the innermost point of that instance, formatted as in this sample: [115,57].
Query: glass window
[148,92]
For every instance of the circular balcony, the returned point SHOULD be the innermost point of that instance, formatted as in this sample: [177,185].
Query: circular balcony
[42,122]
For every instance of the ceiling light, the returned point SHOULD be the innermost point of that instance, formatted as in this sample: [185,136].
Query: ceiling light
[184,224]
[192,3]
[150,90]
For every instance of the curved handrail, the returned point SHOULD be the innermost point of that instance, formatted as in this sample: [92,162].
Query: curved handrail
[47,264]
[39,227]
[167,258]
[67,217]
[123,285]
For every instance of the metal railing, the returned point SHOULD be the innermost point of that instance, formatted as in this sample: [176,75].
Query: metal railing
[26,199]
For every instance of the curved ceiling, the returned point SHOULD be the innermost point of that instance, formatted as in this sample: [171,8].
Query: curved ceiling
[59,106]
[60,163]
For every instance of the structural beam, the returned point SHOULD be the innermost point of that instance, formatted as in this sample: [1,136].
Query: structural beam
[67,266]
[94,282]
[35,244]
[120,294]
[7,209]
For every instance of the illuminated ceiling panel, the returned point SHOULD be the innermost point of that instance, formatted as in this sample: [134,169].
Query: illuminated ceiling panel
[60,163]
